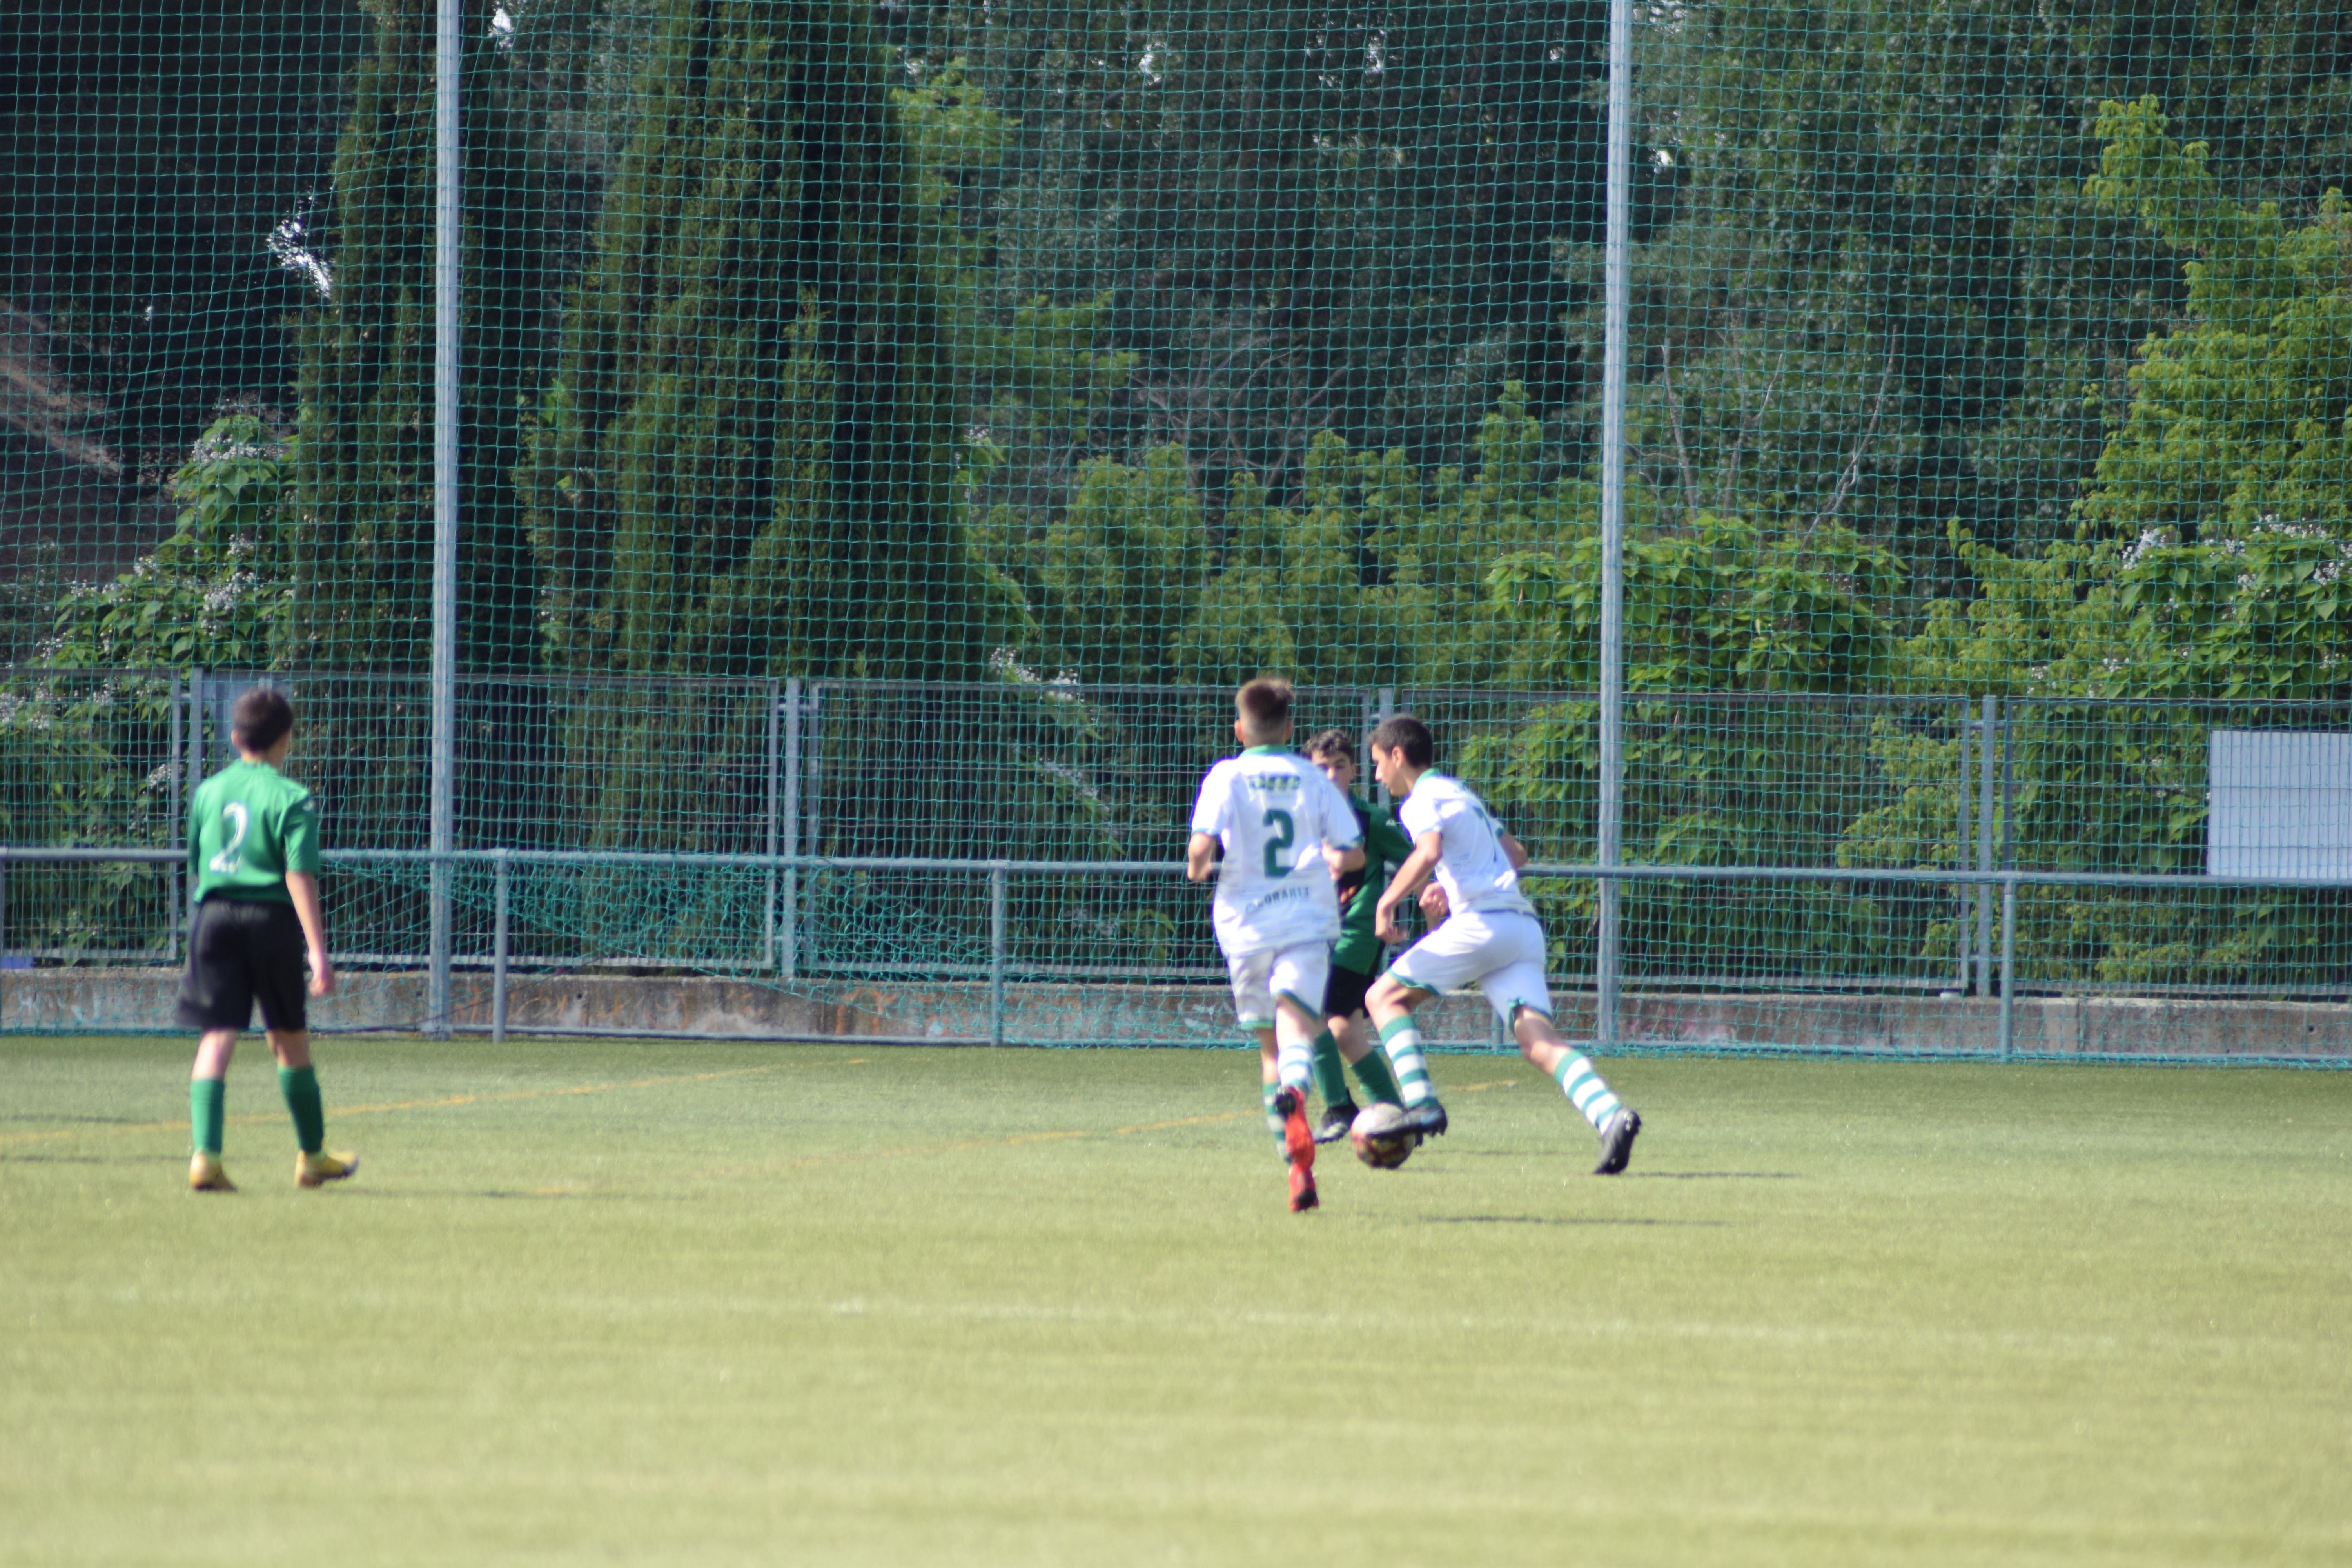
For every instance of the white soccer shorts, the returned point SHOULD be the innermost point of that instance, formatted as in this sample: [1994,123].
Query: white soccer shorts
[1297,972]
[1500,954]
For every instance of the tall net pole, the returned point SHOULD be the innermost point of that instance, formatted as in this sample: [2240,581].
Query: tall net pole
[1616,306]
[448,302]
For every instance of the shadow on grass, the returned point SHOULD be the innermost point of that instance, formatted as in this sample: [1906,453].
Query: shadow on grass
[76,1121]
[93,1159]
[1714,1175]
[1566,1219]
[503,1194]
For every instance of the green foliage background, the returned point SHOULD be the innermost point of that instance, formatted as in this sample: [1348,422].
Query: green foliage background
[1978,349]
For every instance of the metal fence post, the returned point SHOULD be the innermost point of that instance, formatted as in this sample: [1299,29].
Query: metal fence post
[3,938]
[1984,842]
[768,910]
[999,877]
[196,730]
[172,824]
[2008,967]
[448,308]
[2009,791]
[812,793]
[1384,709]
[788,965]
[1964,893]
[1617,294]
[498,949]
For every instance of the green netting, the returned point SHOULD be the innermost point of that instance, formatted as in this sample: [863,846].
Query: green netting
[887,433]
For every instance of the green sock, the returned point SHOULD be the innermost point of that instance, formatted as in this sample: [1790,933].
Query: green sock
[300,1088]
[1330,1072]
[1380,1079]
[207,1111]
[1273,1117]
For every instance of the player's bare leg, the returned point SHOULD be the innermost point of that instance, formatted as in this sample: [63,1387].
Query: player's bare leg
[1617,1123]
[1354,1035]
[290,1047]
[1392,1003]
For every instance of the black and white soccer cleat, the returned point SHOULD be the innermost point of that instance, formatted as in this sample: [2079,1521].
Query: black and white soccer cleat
[1337,1119]
[1617,1142]
[1426,1119]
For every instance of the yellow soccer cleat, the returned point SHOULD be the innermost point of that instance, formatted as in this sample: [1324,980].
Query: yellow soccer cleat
[318,1170]
[205,1175]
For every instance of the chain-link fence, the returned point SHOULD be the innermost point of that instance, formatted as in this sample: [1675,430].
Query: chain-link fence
[1757,438]
[1798,855]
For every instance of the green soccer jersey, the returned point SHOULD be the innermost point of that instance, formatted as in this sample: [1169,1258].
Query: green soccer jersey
[248,826]
[1385,848]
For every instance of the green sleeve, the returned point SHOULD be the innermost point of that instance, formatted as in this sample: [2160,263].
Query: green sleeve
[301,836]
[1387,840]
[195,853]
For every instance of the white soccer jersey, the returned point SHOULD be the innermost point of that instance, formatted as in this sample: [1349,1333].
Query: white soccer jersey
[1471,865]
[1272,811]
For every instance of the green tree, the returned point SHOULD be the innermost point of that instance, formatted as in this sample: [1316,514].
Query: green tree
[1888,300]
[2241,419]
[364,477]
[744,463]
[1305,218]
[2209,586]
[214,594]
[1377,574]
[81,734]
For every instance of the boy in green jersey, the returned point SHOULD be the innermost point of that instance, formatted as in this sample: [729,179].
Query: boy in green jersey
[253,865]
[1358,956]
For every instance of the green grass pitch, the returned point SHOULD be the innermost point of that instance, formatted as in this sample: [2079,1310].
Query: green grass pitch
[714,1304]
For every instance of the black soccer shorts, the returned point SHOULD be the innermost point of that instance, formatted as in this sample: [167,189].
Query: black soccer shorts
[240,951]
[1343,993]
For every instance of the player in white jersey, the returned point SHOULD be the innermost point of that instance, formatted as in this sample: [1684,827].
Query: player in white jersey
[1275,832]
[1490,939]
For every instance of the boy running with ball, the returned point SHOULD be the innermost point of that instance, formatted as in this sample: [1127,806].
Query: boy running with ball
[1491,939]
[1347,1038]
[253,865]
[1274,831]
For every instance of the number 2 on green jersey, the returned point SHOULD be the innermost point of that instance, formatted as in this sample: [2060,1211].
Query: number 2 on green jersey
[1285,835]
[231,855]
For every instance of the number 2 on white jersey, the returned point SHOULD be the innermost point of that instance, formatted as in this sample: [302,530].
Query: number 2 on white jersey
[1286,834]
[230,857]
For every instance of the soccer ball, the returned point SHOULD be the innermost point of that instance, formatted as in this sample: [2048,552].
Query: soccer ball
[1379,1138]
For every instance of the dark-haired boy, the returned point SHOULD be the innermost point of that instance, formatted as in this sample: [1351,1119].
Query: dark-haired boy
[1491,939]
[1347,1037]
[1273,831]
[253,867]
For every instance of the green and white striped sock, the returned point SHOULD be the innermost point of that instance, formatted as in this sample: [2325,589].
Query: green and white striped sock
[1293,1064]
[1586,1091]
[1273,1117]
[1402,1043]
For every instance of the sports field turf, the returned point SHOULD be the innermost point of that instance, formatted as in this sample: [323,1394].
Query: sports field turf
[716,1304]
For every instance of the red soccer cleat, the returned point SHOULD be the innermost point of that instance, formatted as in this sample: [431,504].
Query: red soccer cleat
[1298,1147]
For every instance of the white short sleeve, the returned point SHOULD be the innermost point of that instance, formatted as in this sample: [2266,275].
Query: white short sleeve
[1419,813]
[1341,828]
[1216,795]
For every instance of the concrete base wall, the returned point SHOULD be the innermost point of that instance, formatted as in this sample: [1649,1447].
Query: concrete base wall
[74,1000]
